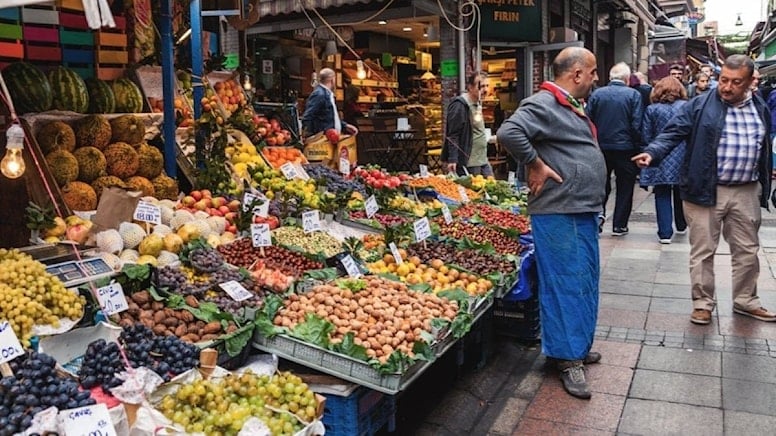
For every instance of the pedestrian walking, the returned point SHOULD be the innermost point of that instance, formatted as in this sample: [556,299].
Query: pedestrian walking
[617,110]
[726,179]
[466,144]
[667,98]
[553,137]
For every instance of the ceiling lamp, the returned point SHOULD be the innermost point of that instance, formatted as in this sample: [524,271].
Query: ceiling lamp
[12,165]
[331,49]
[428,75]
[738,21]
[360,70]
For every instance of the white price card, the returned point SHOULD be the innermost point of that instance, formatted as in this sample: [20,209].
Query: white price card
[463,194]
[351,267]
[422,229]
[10,348]
[261,235]
[487,196]
[262,210]
[511,178]
[112,299]
[423,170]
[344,166]
[250,197]
[301,173]
[88,421]
[311,221]
[446,213]
[236,290]
[289,170]
[371,206]
[396,254]
[148,213]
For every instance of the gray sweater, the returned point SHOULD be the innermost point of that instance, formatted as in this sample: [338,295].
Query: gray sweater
[542,127]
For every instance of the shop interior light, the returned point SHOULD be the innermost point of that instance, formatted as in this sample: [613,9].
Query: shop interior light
[382,22]
[331,49]
[247,85]
[406,29]
[428,75]
[360,71]
[183,37]
[12,165]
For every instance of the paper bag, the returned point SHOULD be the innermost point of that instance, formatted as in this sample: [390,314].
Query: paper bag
[115,207]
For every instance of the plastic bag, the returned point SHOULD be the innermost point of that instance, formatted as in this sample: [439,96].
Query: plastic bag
[527,277]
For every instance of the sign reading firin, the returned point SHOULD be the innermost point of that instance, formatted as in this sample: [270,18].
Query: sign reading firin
[511,20]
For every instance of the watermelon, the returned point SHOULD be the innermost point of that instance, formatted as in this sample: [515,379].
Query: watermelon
[129,99]
[101,98]
[69,90]
[28,86]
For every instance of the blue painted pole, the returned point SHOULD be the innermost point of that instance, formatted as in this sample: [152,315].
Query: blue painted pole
[168,89]
[197,62]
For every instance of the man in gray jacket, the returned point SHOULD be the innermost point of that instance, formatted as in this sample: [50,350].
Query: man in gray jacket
[553,137]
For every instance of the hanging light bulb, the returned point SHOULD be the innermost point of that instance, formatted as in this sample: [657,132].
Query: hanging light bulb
[314,81]
[247,85]
[360,71]
[12,165]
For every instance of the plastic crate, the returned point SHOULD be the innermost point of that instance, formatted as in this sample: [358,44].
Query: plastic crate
[518,319]
[363,412]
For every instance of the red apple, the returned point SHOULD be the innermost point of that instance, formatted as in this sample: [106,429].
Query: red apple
[196,195]
[188,201]
[223,209]
[219,201]
[206,193]
[234,205]
[215,212]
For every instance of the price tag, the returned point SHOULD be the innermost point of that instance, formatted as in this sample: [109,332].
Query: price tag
[511,178]
[311,221]
[10,348]
[261,235]
[446,213]
[344,166]
[301,173]
[88,421]
[147,212]
[289,170]
[371,206]
[487,196]
[262,210]
[351,267]
[422,229]
[462,193]
[112,299]
[250,197]
[396,254]
[236,290]
[423,170]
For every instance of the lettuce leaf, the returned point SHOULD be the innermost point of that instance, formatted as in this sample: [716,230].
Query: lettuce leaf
[348,347]
[314,330]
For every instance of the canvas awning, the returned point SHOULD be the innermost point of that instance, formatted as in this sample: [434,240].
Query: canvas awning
[279,7]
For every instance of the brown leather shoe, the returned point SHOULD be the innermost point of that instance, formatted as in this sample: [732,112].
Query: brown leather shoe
[700,316]
[760,313]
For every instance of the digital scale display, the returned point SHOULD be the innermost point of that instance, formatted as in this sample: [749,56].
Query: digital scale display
[74,272]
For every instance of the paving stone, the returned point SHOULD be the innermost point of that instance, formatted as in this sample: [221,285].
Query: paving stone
[749,396]
[748,367]
[699,390]
[510,415]
[674,278]
[646,417]
[671,290]
[457,410]
[668,305]
[625,287]
[680,360]
[532,426]
[625,302]
[742,423]
[552,403]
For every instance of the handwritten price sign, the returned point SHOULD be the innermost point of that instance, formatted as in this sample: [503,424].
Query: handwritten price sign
[463,194]
[261,235]
[112,299]
[236,290]
[88,421]
[148,213]
[422,229]
[351,267]
[250,197]
[10,348]
[396,253]
[446,213]
[344,166]
[371,206]
[289,170]
[423,171]
[311,221]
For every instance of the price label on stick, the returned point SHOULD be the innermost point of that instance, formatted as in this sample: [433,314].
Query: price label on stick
[10,348]
[371,206]
[235,290]
[422,229]
[344,166]
[148,213]
[289,170]
[250,197]
[88,421]
[463,194]
[351,267]
[311,221]
[262,210]
[396,254]
[446,214]
[261,235]
[112,299]
[301,173]
[423,170]
[511,178]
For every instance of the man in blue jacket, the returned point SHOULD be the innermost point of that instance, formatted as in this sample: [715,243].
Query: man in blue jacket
[617,110]
[320,109]
[725,180]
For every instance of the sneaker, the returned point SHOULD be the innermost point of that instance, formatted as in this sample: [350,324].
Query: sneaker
[700,316]
[573,378]
[620,231]
[601,222]
[681,232]
[592,357]
[760,313]
[664,240]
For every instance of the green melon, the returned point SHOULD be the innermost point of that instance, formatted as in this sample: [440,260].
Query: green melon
[129,99]
[69,90]
[101,98]
[28,86]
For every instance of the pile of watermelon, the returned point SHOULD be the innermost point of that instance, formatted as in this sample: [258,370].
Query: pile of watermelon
[63,89]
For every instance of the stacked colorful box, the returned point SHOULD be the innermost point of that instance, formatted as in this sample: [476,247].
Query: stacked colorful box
[111,46]
[77,42]
[41,34]
[11,46]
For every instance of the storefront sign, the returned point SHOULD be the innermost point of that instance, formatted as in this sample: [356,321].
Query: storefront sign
[449,68]
[511,20]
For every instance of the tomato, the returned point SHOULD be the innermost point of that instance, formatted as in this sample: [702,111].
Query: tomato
[271,141]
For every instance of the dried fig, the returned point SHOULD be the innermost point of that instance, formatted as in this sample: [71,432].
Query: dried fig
[181,331]
[159,317]
[160,329]
[212,327]
[192,301]
[141,297]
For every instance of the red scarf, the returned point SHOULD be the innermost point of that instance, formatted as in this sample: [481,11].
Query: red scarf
[565,99]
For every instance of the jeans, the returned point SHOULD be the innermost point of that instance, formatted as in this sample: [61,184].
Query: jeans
[484,170]
[625,171]
[667,215]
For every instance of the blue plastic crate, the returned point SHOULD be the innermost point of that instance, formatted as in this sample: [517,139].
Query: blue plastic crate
[363,412]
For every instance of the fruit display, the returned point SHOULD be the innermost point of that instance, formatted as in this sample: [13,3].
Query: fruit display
[184,117]
[129,98]
[333,180]
[442,186]
[382,220]
[166,356]
[230,94]
[312,243]
[101,98]
[244,155]
[283,402]
[55,135]
[277,156]
[383,316]
[34,387]
[274,185]
[418,208]
[29,88]
[482,235]
[243,254]
[476,261]
[31,296]
[68,90]
[495,217]
[435,273]
[376,178]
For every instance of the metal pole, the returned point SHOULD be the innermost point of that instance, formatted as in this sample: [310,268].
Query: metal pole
[461,56]
[168,89]
[197,62]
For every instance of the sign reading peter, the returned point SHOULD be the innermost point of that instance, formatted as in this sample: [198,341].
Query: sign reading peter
[511,20]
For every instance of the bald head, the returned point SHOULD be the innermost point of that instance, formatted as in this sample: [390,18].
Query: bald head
[326,78]
[568,59]
[575,71]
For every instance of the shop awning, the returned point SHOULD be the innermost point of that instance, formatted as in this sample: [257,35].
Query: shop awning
[278,7]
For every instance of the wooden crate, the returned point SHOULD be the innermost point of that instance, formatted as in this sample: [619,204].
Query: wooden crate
[11,35]
[71,5]
[10,14]
[109,73]
[40,15]
[111,54]
[41,43]
[70,20]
